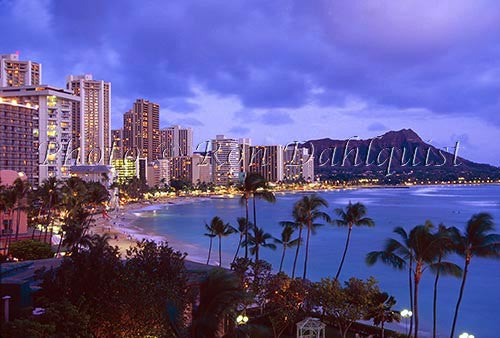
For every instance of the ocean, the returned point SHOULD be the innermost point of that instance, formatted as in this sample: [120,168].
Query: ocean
[183,223]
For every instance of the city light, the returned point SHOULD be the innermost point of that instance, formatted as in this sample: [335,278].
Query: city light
[241,319]
[466,335]
[406,313]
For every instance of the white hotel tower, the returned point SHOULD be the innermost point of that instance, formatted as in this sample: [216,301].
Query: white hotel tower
[16,73]
[50,127]
[92,118]
[225,160]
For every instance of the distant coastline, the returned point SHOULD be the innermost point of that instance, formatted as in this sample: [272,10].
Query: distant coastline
[119,224]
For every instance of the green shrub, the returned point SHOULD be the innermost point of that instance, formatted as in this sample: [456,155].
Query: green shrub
[29,249]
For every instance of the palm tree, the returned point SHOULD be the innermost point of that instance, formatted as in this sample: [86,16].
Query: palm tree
[242,225]
[221,229]
[309,206]
[382,311]
[74,193]
[21,189]
[424,249]
[286,241]
[96,194]
[249,186]
[263,193]
[100,242]
[220,295]
[49,195]
[297,223]
[398,255]
[9,204]
[477,240]
[210,234]
[444,246]
[3,207]
[259,239]
[354,215]
[73,229]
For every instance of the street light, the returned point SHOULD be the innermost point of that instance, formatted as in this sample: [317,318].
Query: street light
[407,314]
[242,319]
[466,335]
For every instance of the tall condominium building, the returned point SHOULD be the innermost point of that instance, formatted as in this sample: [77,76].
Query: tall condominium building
[267,161]
[202,168]
[299,165]
[180,168]
[141,127]
[16,139]
[128,133]
[124,169]
[15,73]
[91,119]
[225,161]
[245,144]
[159,172]
[163,166]
[50,129]
[141,169]
[153,174]
[117,144]
[176,141]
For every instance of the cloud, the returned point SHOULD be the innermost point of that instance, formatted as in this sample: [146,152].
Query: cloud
[180,105]
[188,121]
[240,130]
[377,126]
[399,54]
[276,118]
[433,60]
[245,115]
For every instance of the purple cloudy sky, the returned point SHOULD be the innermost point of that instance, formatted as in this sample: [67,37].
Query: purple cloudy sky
[281,70]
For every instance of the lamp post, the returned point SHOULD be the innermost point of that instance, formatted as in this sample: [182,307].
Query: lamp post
[406,314]
[6,308]
[242,319]
[466,335]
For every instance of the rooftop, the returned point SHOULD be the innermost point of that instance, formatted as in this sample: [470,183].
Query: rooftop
[97,168]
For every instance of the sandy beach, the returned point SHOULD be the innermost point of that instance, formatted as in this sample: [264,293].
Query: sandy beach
[118,224]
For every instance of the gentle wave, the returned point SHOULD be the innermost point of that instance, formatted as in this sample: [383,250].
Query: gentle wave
[487,204]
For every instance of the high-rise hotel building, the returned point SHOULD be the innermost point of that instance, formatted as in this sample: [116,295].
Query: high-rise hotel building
[267,161]
[91,119]
[225,161]
[15,73]
[117,144]
[176,141]
[201,168]
[245,146]
[141,130]
[299,164]
[16,138]
[39,136]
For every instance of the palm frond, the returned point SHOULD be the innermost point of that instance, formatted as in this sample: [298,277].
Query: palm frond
[388,258]
[446,268]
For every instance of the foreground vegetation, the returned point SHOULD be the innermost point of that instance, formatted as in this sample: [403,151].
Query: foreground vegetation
[147,291]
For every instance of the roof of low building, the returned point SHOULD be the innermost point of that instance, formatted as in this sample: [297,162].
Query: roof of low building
[96,168]
[22,272]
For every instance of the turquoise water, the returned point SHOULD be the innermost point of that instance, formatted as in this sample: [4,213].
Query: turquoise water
[451,205]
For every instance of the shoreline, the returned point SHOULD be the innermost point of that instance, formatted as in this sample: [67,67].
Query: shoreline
[123,234]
